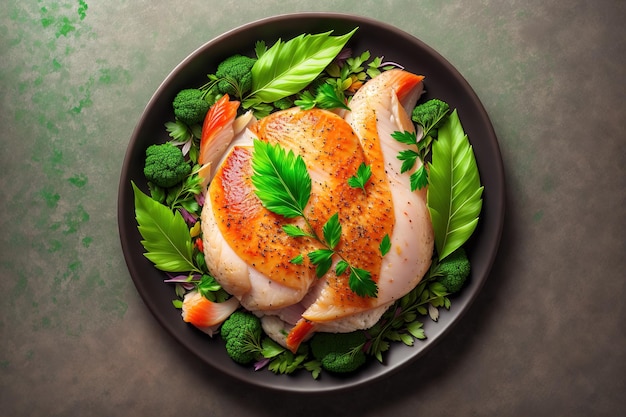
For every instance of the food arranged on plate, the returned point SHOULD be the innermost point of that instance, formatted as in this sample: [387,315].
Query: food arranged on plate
[310,208]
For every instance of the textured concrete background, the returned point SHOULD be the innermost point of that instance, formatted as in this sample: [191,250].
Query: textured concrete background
[547,335]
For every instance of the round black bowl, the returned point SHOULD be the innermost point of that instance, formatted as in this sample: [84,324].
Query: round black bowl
[442,81]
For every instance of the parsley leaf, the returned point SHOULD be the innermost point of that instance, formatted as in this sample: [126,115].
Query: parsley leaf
[298,260]
[295,231]
[361,283]
[330,98]
[342,266]
[281,179]
[419,179]
[408,158]
[332,231]
[406,137]
[322,259]
[362,176]
[385,245]
[283,185]
[327,97]
[178,131]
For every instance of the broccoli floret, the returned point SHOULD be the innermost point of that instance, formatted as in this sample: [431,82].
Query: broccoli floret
[241,332]
[339,352]
[430,115]
[234,75]
[190,106]
[454,270]
[165,165]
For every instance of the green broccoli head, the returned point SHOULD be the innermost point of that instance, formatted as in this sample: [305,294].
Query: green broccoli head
[241,332]
[165,165]
[454,270]
[235,76]
[190,106]
[431,114]
[339,352]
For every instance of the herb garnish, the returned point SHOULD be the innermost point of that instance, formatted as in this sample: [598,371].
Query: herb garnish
[362,176]
[326,97]
[409,157]
[283,185]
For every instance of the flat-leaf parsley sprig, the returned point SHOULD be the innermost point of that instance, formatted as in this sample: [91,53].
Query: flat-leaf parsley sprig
[362,176]
[283,184]
[428,117]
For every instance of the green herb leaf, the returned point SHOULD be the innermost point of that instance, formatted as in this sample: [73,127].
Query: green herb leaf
[315,367]
[165,235]
[286,362]
[306,101]
[408,158]
[288,67]
[362,176]
[332,231]
[416,328]
[298,260]
[323,259]
[281,179]
[207,285]
[419,179]
[295,231]
[329,98]
[455,193]
[406,137]
[260,48]
[361,283]
[270,349]
[385,245]
[341,267]
[178,131]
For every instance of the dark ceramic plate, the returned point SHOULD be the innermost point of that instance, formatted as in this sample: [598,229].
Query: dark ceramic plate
[442,81]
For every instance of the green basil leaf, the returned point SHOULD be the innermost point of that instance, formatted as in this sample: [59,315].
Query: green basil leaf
[455,193]
[165,235]
[288,67]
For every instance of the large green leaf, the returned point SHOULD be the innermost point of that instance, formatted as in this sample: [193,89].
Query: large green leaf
[165,234]
[281,179]
[288,67]
[455,192]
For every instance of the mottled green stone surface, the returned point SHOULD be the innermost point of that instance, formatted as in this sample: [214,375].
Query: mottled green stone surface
[547,335]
